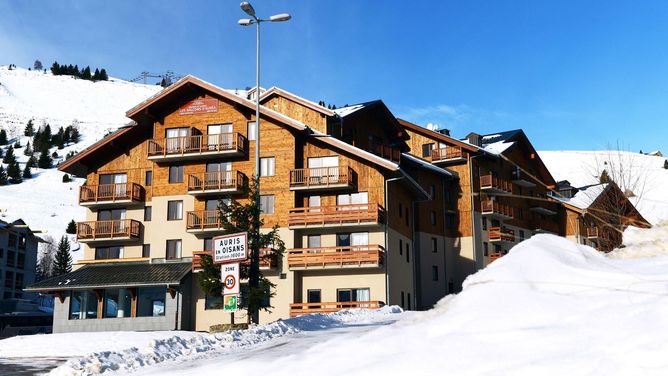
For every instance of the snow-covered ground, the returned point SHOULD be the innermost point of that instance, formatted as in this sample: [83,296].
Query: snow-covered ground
[44,202]
[643,173]
[550,307]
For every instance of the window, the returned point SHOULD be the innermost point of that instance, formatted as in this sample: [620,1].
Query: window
[426,149]
[434,273]
[176,174]
[117,303]
[433,217]
[267,204]
[484,223]
[313,296]
[148,178]
[267,166]
[358,198]
[208,244]
[434,245]
[313,241]
[151,302]
[343,240]
[432,191]
[485,249]
[106,253]
[401,247]
[20,260]
[18,284]
[83,305]
[408,253]
[173,249]
[520,213]
[11,256]
[12,241]
[174,210]
[213,302]
[313,201]
[497,248]
[521,235]
[22,241]
[352,295]
[446,195]
[146,250]
[252,131]
[148,212]
[449,221]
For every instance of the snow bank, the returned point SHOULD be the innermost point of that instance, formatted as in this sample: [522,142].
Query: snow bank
[641,243]
[197,345]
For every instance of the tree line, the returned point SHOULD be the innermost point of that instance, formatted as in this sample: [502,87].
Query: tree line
[83,73]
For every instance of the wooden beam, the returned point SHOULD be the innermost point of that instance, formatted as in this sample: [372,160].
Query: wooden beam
[133,294]
[100,302]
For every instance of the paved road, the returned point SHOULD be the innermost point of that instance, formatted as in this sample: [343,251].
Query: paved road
[28,366]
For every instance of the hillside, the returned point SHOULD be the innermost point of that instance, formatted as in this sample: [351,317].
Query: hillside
[95,108]
[642,174]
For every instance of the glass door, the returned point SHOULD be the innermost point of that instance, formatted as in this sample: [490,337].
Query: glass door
[175,139]
[218,175]
[219,136]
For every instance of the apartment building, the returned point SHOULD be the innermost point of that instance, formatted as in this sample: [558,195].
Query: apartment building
[339,184]
[18,259]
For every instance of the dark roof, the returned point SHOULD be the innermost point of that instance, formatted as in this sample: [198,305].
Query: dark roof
[116,275]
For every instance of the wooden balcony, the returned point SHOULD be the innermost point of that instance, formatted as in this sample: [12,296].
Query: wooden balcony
[591,232]
[321,178]
[450,154]
[110,195]
[297,309]
[108,231]
[268,259]
[358,256]
[500,234]
[385,151]
[540,209]
[336,216]
[203,221]
[494,256]
[522,179]
[197,147]
[212,183]
[496,210]
[493,185]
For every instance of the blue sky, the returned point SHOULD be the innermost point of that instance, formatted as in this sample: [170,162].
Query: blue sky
[572,74]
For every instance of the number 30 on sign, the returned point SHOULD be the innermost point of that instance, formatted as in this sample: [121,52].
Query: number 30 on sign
[229,274]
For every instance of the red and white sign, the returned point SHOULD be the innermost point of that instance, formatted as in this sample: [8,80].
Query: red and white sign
[229,274]
[230,248]
[199,106]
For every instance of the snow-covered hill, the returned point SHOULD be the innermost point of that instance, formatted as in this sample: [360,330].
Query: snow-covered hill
[642,174]
[95,108]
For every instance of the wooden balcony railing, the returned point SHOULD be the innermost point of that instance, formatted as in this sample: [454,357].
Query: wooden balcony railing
[495,184]
[501,234]
[385,151]
[204,220]
[494,207]
[323,257]
[111,193]
[111,229]
[216,181]
[450,152]
[354,214]
[297,309]
[207,143]
[495,256]
[321,177]
[592,232]
[268,259]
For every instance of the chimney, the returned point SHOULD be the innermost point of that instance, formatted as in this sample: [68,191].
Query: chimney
[444,131]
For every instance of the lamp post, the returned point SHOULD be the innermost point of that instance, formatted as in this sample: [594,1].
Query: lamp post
[254,275]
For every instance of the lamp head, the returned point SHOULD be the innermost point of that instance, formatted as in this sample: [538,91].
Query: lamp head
[248,8]
[245,22]
[280,17]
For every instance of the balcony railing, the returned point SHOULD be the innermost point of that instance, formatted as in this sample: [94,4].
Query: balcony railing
[493,184]
[204,220]
[297,309]
[111,193]
[450,153]
[336,257]
[339,215]
[496,209]
[321,178]
[268,259]
[385,151]
[216,182]
[495,256]
[592,232]
[108,230]
[501,234]
[197,146]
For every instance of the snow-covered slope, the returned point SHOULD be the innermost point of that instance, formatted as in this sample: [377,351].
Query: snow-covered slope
[44,202]
[644,175]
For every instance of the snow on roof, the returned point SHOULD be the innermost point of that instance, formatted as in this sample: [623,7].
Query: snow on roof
[585,196]
[497,143]
[427,165]
[345,111]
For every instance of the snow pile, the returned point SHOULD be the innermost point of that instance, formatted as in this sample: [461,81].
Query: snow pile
[191,347]
[644,175]
[641,243]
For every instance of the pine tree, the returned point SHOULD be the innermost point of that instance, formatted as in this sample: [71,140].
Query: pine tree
[27,173]
[46,135]
[14,173]
[71,227]
[17,144]
[28,149]
[604,178]
[9,156]
[30,129]
[59,139]
[74,137]
[96,75]
[66,178]
[37,140]
[3,176]
[44,160]
[86,74]
[62,263]
[665,164]
[37,65]
[32,162]
[55,68]
[3,137]
[103,75]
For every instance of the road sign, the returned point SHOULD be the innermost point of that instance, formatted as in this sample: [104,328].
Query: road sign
[230,248]
[229,274]
[230,302]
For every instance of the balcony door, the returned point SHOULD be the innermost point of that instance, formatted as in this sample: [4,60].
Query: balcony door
[323,170]
[175,139]
[112,221]
[218,174]
[219,136]
[353,295]
[112,184]
[353,201]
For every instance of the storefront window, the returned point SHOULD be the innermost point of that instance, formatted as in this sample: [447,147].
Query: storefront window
[151,302]
[117,303]
[83,305]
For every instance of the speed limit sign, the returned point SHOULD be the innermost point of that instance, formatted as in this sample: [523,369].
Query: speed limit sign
[229,274]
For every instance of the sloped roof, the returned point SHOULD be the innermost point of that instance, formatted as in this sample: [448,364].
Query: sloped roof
[585,197]
[295,98]
[497,143]
[349,110]
[436,135]
[116,275]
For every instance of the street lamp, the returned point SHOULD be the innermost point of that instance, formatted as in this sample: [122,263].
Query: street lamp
[254,275]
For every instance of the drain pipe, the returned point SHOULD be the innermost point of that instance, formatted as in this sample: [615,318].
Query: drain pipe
[473,218]
[387,246]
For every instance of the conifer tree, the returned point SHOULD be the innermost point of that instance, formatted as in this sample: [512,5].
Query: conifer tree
[85,74]
[665,164]
[38,65]
[36,141]
[62,263]
[32,162]
[46,135]
[604,178]
[9,156]
[96,75]
[30,129]
[3,176]
[71,227]
[27,173]
[74,137]
[3,137]
[14,173]
[28,149]
[55,68]
[17,144]
[103,75]
[44,160]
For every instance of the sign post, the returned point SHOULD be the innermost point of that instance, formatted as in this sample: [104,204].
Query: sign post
[230,248]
